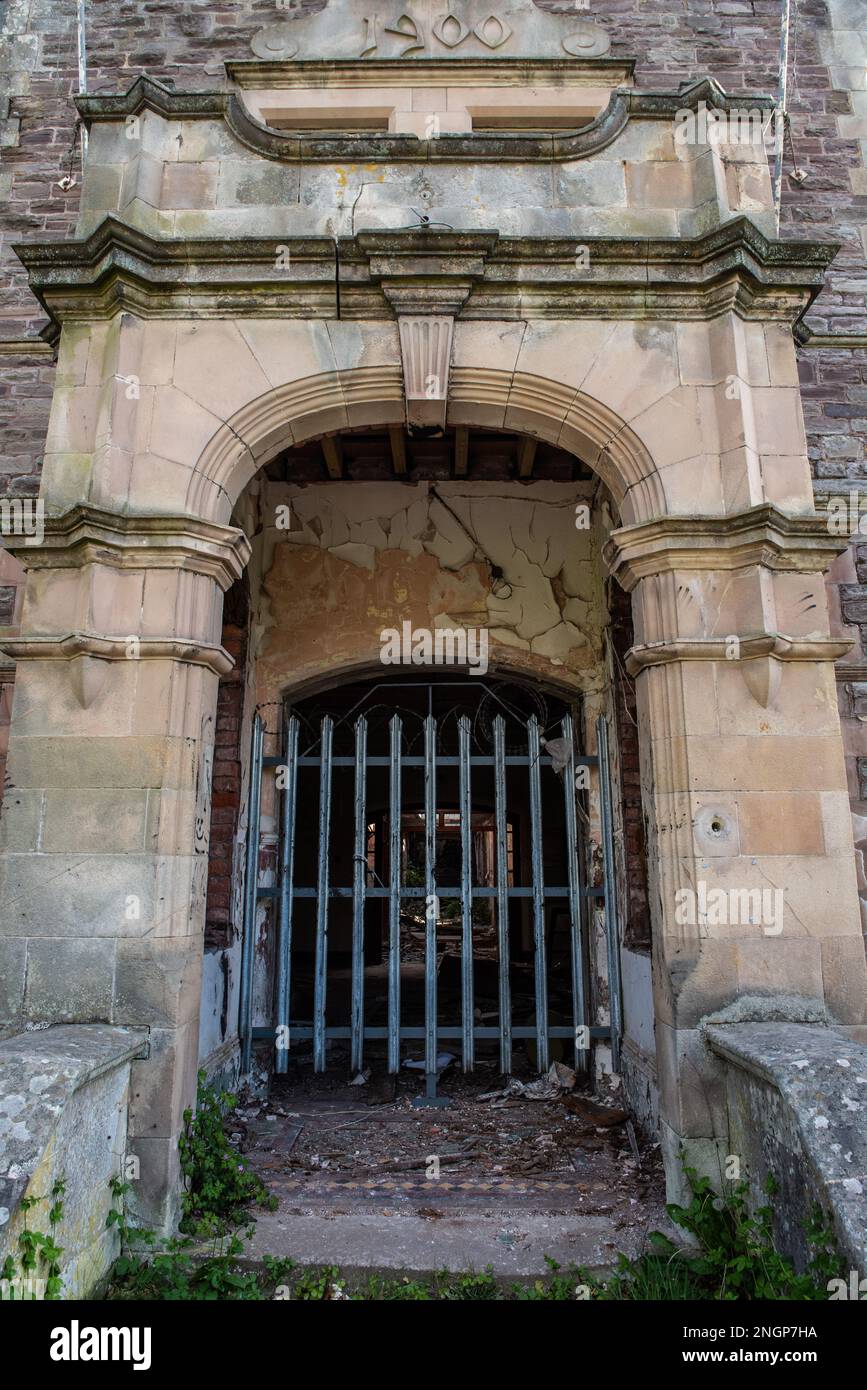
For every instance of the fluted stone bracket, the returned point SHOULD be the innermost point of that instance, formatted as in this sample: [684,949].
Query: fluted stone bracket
[426,349]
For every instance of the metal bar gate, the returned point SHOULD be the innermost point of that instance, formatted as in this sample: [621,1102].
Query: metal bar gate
[287,893]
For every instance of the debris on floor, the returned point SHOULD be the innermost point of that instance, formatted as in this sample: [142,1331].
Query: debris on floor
[558,1079]
[541,1144]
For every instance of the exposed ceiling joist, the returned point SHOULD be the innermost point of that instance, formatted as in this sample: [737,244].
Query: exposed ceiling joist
[397,437]
[526,457]
[462,451]
[332,450]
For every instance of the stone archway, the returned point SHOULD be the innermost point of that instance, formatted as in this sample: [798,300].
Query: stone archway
[121,654]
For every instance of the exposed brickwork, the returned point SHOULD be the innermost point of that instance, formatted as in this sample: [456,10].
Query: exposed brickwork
[636,931]
[226,790]
[7,685]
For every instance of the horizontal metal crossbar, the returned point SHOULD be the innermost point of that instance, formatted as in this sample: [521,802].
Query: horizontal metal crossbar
[306,1030]
[421,893]
[511,760]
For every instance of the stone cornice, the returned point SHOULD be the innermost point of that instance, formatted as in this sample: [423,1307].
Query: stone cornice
[625,104]
[734,267]
[74,645]
[258,74]
[762,535]
[750,647]
[31,349]
[90,535]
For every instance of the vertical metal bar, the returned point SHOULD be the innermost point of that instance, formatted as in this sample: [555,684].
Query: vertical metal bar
[322,886]
[394,867]
[612,927]
[465,806]
[288,819]
[359,883]
[540,963]
[576,895]
[431,904]
[502,894]
[251,883]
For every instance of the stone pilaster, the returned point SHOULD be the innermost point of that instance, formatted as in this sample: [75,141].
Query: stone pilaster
[750,848]
[104,834]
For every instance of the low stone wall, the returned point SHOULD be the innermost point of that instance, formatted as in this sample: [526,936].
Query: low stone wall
[64,1095]
[796,1096]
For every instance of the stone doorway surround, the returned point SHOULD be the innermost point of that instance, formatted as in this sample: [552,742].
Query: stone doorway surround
[201,331]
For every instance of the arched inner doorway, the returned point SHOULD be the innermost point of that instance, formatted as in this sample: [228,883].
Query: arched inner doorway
[452,533]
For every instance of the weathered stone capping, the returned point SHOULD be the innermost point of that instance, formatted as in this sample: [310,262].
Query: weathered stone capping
[147,94]
[64,1098]
[796,1100]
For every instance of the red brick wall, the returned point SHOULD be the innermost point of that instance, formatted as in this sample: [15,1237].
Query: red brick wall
[226,782]
[636,932]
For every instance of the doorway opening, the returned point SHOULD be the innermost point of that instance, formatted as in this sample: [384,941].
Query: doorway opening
[434,882]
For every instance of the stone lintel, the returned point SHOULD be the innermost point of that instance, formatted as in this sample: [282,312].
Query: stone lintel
[761,535]
[89,535]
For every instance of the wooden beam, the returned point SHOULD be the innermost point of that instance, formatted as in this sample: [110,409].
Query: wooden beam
[332,451]
[462,450]
[526,457]
[397,436]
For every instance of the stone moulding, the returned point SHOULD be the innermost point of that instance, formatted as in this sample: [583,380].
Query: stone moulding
[72,646]
[29,348]
[752,647]
[259,74]
[761,535]
[735,267]
[758,656]
[625,104]
[477,395]
[90,535]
